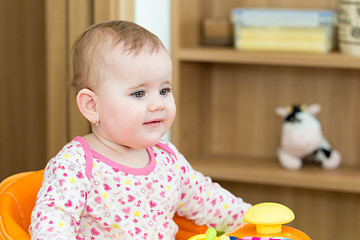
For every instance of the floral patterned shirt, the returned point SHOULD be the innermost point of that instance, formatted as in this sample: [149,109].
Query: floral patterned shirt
[87,196]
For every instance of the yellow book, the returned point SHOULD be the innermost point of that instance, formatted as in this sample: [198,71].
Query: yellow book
[284,39]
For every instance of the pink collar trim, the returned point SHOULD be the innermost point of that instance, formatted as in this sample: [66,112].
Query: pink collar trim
[89,154]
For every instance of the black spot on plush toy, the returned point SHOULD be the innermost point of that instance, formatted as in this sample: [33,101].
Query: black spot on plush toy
[302,139]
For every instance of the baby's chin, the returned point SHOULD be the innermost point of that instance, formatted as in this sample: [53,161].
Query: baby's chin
[145,144]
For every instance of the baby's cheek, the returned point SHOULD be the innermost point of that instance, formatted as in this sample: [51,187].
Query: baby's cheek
[170,119]
[172,110]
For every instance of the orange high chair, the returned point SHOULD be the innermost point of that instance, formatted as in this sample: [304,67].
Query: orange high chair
[17,199]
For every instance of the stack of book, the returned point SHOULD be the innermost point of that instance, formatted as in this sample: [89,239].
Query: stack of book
[284,30]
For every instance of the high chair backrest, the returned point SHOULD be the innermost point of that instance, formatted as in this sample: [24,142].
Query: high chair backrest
[17,199]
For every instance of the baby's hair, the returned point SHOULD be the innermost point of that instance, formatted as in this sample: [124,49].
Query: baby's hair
[92,47]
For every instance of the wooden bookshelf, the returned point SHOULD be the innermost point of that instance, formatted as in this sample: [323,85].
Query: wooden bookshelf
[227,128]
[269,172]
[230,55]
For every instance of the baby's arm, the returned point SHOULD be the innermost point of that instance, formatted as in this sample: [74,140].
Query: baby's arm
[207,203]
[61,198]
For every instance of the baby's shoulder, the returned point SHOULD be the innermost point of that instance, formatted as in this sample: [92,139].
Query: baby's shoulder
[72,153]
[167,146]
[170,149]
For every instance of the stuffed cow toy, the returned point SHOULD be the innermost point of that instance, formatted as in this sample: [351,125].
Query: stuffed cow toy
[302,139]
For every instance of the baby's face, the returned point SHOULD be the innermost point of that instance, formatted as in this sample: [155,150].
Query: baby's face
[135,101]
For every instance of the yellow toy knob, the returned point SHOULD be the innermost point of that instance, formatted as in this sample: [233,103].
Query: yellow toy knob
[268,217]
[210,235]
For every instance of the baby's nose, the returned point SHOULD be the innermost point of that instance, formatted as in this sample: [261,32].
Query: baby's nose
[157,104]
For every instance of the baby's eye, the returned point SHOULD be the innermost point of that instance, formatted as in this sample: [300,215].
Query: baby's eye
[165,91]
[138,94]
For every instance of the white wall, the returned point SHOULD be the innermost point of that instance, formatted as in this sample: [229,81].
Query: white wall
[154,15]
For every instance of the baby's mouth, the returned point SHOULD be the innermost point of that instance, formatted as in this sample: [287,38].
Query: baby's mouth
[154,122]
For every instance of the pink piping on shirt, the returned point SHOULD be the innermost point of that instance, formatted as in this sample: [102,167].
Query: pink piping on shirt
[135,171]
[166,148]
[89,154]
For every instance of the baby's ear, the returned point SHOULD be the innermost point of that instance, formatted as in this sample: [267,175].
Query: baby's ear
[86,101]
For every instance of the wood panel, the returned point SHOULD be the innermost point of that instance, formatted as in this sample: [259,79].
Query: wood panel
[105,10]
[230,55]
[268,171]
[22,86]
[56,75]
[244,99]
[188,32]
[235,107]
[195,76]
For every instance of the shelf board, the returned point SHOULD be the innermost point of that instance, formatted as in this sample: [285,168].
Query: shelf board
[269,172]
[230,55]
